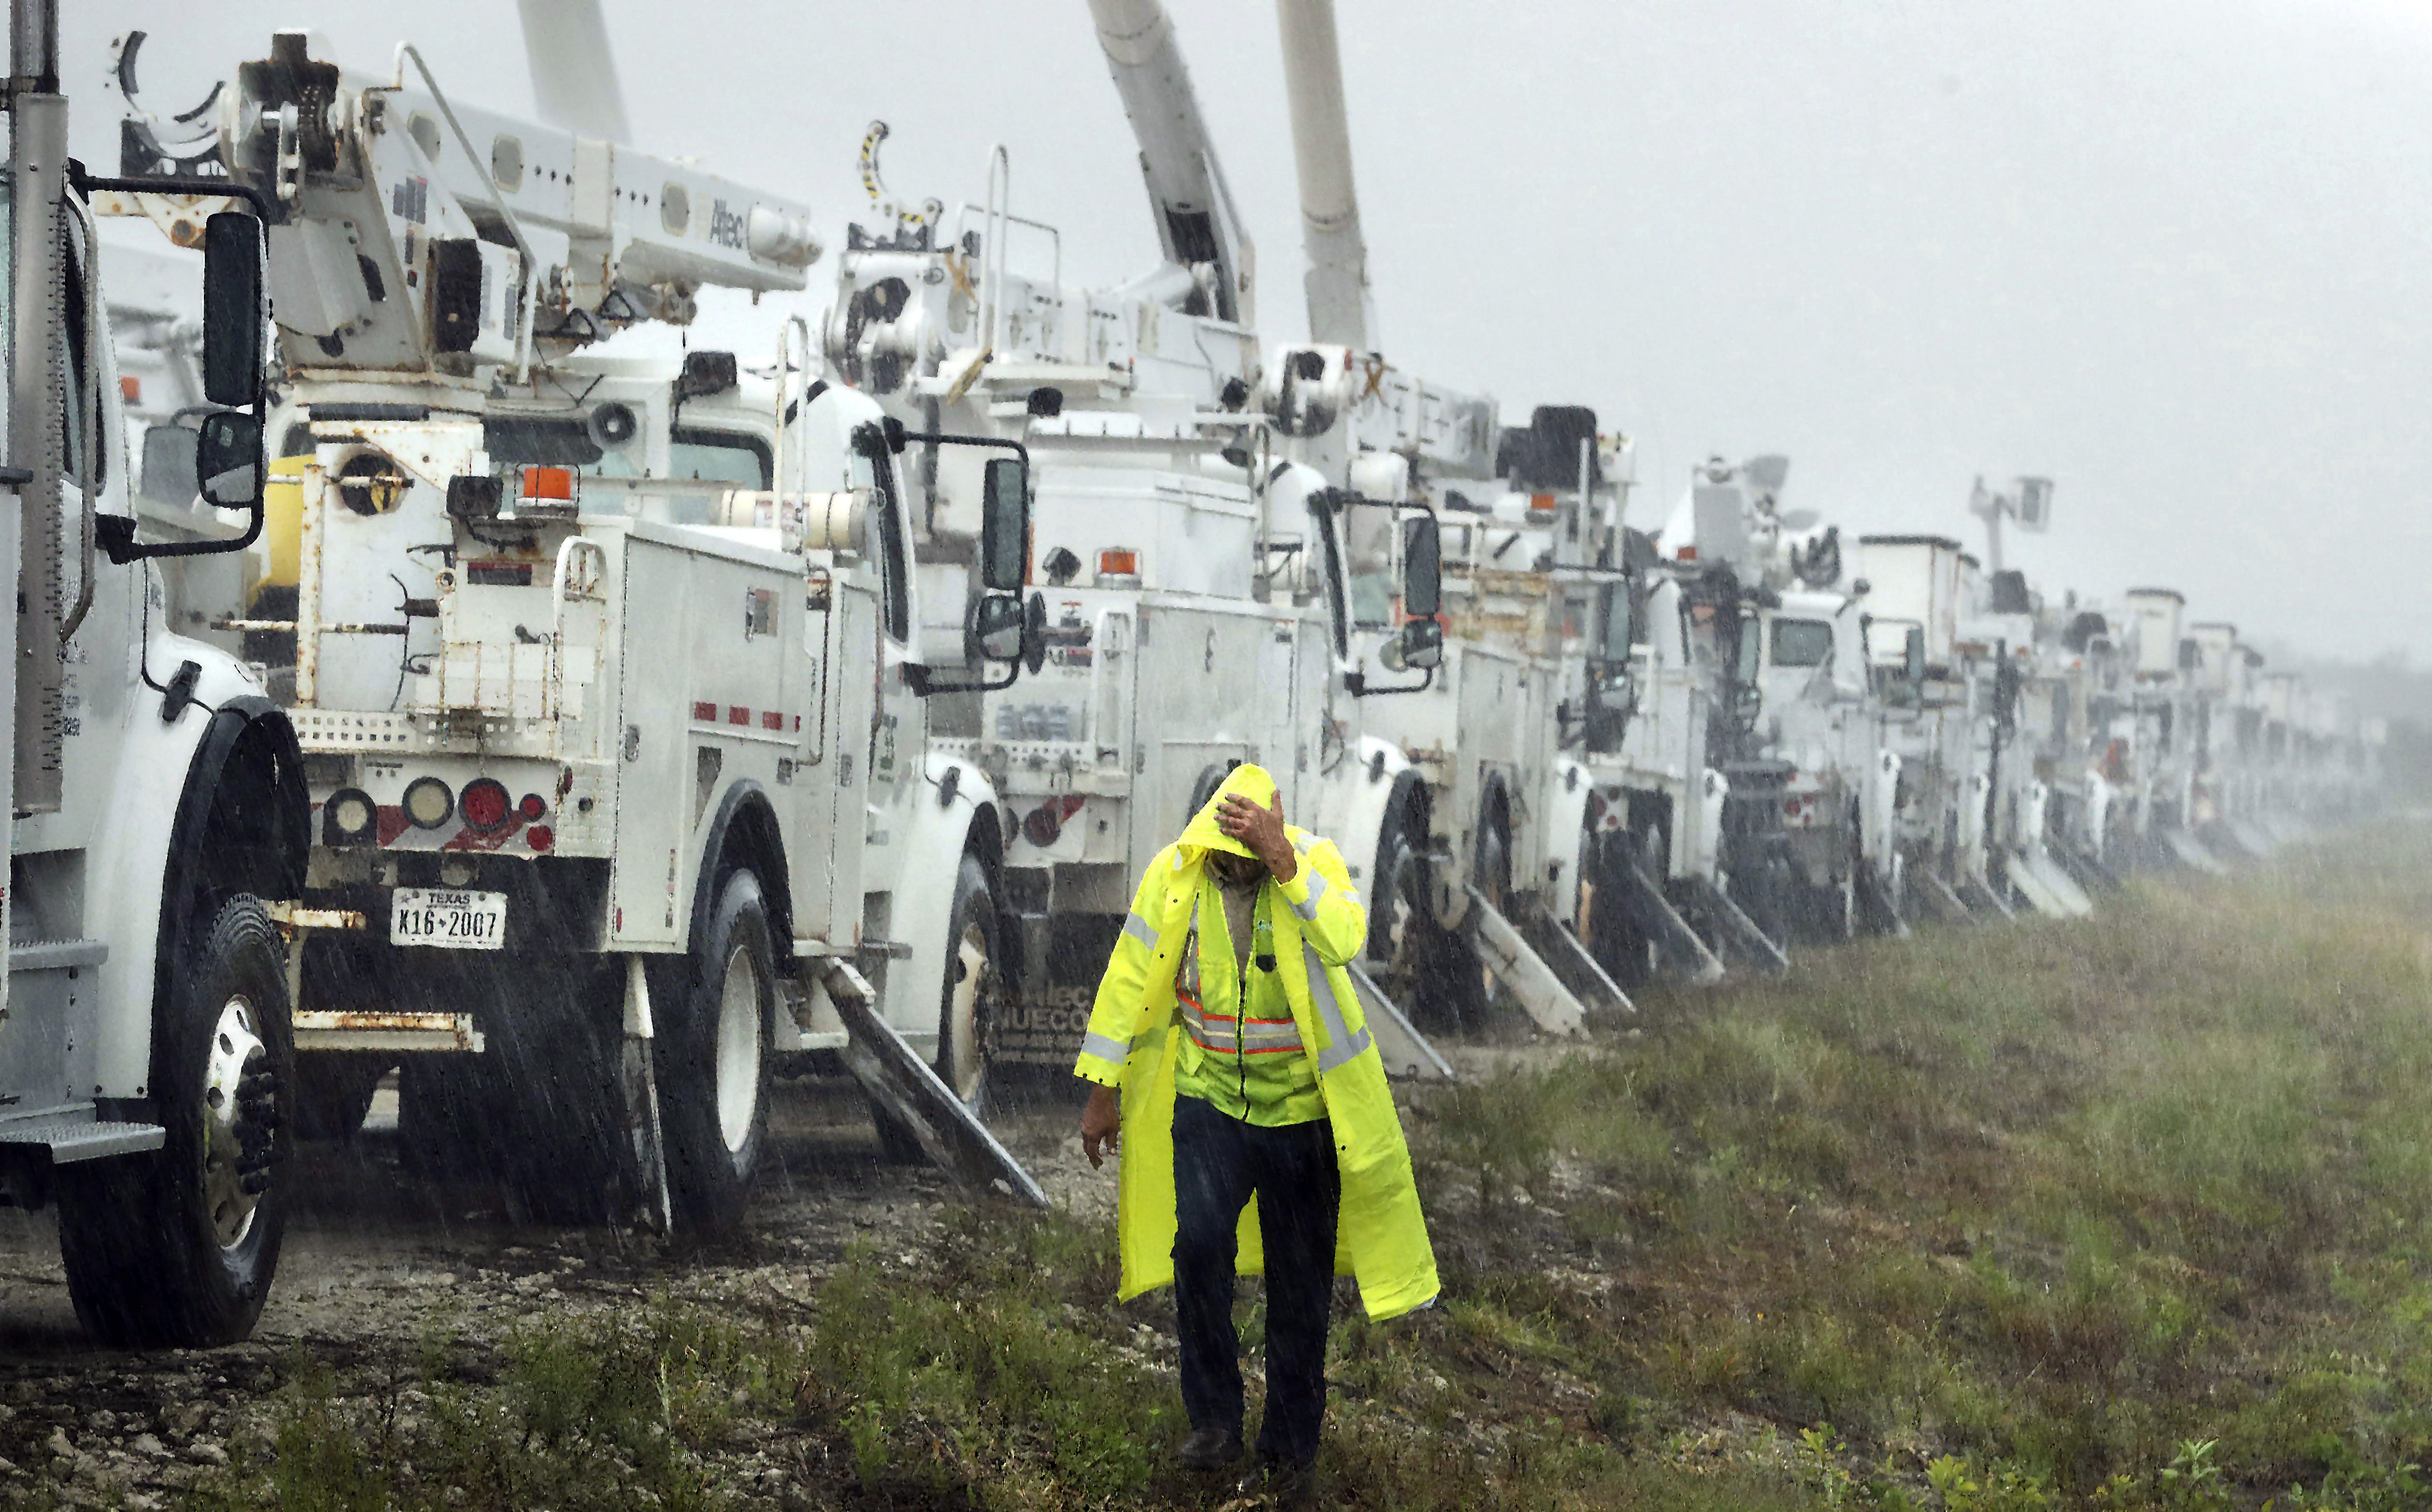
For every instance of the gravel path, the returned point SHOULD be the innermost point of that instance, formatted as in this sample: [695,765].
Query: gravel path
[374,1260]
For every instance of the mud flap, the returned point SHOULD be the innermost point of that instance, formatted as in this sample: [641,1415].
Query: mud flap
[1741,932]
[902,1083]
[1522,971]
[641,1104]
[2041,883]
[1407,1054]
[1676,935]
[1570,960]
[2191,852]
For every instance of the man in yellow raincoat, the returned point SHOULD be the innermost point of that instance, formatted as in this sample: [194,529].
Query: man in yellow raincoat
[1232,1059]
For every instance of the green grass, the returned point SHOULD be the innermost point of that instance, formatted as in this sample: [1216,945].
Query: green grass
[2125,1213]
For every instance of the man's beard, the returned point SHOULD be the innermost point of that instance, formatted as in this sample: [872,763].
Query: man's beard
[1237,871]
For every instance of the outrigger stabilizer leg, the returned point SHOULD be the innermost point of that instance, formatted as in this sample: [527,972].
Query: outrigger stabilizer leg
[906,1085]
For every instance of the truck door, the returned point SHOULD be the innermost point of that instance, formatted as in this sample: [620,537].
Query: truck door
[898,729]
[811,851]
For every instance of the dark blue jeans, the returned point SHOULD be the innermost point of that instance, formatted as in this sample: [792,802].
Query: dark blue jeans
[1218,1164]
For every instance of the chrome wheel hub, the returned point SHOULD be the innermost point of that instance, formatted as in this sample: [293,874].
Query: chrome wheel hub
[738,1050]
[237,1094]
[968,1014]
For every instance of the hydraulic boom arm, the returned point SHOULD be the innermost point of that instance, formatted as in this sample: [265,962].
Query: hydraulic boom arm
[1338,309]
[1195,222]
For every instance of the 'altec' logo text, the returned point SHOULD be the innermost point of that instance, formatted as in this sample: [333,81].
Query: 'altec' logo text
[725,225]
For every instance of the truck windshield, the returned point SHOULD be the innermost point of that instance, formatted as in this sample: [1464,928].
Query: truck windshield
[1801,642]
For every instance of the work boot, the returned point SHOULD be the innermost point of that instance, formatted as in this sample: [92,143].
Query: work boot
[1287,1484]
[1210,1448]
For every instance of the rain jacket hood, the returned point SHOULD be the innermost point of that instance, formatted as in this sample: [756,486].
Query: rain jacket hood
[1134,1039]
[1202,834]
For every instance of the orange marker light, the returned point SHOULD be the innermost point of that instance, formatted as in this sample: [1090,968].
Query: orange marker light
[550,483]
[1118,562]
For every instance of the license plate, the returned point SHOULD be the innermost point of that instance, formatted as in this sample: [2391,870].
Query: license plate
[450,917]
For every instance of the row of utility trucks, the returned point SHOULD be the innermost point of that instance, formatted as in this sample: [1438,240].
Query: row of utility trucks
[583,738]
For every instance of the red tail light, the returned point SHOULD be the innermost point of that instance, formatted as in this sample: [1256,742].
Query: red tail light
[483,803]
[530,808]
[1043,824]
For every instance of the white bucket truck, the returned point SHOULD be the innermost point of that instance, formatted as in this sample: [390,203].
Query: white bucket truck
[607,671]
[1198,607]
[146,1060]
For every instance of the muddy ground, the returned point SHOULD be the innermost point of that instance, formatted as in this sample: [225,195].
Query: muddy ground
[376,1261]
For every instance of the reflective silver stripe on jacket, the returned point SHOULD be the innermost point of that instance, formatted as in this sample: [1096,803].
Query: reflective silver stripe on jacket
[1218,1034]
[1138,929]
[1105,1047]
[1306,908]
[1342,1045]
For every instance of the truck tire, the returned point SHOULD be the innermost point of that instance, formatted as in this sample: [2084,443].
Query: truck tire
[715,1057]
[1616,935]
[967,1012]
[176,1247]
[1398,904]
[968,1004]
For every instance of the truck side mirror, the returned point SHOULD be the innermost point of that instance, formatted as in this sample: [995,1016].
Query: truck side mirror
[1421,568]
[996,629]
[1004,525]
[232,309]
[1034,633]
[1422,644]
[228,459]
[1913,655]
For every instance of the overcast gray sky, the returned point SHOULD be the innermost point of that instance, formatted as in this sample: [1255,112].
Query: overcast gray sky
[2173,253]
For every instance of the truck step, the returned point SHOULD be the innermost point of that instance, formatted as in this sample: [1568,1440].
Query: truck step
[57,955]
[904,1083]
[72,1137]
[1408,1056]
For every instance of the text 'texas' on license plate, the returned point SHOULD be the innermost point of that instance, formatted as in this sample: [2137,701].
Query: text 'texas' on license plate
[450,917]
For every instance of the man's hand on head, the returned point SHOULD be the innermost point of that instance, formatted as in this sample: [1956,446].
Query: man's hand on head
[1262,831]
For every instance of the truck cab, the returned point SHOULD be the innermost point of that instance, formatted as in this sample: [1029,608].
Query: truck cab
[146,1059]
